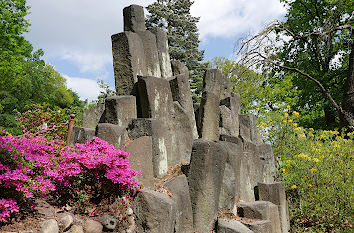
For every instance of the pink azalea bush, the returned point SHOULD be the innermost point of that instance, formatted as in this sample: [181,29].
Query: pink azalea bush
[84,174]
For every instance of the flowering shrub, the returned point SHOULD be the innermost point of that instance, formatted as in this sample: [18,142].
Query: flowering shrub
[317,169]
[41,119]
[85,173]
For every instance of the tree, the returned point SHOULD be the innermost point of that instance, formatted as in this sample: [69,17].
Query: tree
[24,77]
[313,44]
[173,16]
[258,91]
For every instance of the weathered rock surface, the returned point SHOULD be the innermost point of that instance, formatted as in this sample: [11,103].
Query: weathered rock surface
[140,150]
[262,226]
[261,210]
[231,186]
[92,116]
[152,127]
[212,82]
[269,170]
[114,134]
[231,226]
[92,226]
[134,19]
[205,181]
[108,222]
[208,119]
[151,54]
[119,110]
[275,193]
[157,103]
[128,61]
[76,229]
[162,49]
[155,212]
[66,222]
[183,132]
[180,90]
[178,68]
[81,135]
[180,191]
[49,226]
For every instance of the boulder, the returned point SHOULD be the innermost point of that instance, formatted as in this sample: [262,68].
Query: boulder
[76,229]
[183,132]
[159,137]
[179,68]
[108,222]
[49,226]
[212,82]
[155,212]
[66,222]
[92,226]
[250,171]
[269,169]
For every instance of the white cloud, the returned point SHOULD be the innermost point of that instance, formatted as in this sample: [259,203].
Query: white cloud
[228,18]
[78,31]
[85,88]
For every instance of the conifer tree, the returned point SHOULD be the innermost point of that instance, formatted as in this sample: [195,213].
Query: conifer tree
[174,17]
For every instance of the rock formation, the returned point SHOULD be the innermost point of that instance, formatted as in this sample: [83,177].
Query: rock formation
[226,165]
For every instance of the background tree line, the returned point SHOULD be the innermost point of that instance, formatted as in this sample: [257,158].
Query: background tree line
[25,78]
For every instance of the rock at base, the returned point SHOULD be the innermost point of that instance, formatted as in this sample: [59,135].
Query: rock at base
[155,212]
[92,226]
[81,135]
[231,226]
[49,226]
[180,191]
[113,134]
[262,226]
[140,158]
[275,193]
[263,210]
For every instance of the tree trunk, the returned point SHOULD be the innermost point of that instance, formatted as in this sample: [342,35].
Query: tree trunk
[348,94]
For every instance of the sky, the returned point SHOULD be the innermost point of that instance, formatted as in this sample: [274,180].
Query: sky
[76,34]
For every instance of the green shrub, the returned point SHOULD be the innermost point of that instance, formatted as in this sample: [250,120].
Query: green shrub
[317,169]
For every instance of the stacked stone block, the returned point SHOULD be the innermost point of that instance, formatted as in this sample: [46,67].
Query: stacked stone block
[154,118]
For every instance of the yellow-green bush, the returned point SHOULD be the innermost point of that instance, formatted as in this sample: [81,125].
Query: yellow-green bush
[317,169]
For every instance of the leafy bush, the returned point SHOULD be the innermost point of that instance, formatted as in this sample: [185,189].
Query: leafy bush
[85,173]
[317,169]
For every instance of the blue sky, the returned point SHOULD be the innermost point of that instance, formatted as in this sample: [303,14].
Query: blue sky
[75,34]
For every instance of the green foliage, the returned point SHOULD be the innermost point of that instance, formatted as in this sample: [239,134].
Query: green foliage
[44,120]
[314,42]
[174,17]
[316,167]
[25,78]
[258,91]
